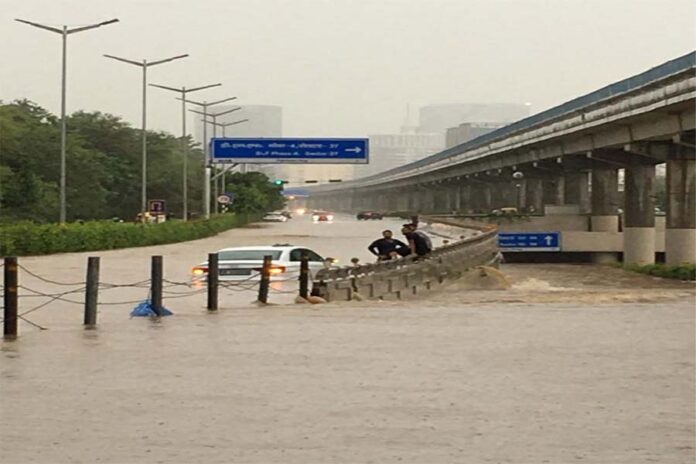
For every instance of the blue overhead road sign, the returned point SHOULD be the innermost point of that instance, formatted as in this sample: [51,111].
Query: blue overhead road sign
[289,150]
[529,241]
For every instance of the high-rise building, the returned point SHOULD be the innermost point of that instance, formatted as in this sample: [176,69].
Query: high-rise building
[438,118]
[468,131]
[388,151]
[263,121]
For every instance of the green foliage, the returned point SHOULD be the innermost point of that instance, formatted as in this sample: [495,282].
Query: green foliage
[27,238]
[103,165]
[686,271]
[253,192]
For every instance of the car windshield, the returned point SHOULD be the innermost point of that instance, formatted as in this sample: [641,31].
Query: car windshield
[248,255]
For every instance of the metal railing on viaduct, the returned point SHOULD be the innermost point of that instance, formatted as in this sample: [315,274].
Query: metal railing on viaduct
[567,155]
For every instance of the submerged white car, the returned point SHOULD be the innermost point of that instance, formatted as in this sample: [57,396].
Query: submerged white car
[245,263]
[275,217]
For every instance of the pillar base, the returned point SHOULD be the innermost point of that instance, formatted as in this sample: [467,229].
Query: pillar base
[604,223]
[680,246]
[639,245]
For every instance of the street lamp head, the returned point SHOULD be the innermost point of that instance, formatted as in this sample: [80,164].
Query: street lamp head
[517,175]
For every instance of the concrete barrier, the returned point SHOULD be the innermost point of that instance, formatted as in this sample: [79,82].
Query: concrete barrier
[411,276]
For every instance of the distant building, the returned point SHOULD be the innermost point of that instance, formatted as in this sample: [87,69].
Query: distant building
[263,121]
[438,118]
[388,151]
[438,127]
[468,131]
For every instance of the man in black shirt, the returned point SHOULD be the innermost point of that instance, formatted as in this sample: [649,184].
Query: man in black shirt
[387,247]
[418,241]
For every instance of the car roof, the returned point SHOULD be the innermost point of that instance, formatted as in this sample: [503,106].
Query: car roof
[263,248]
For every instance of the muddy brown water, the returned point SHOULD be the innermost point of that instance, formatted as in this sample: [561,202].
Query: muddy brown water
[564,363]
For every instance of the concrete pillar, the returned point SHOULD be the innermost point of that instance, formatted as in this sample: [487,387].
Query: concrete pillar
[553,191]
[465,198]
[639,214]
[534,195]
[521,193]
[680,234]
[605,189]
[456,196]
[576,191]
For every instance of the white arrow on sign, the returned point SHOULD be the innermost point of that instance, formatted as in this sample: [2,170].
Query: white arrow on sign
[548,239]
[355,150]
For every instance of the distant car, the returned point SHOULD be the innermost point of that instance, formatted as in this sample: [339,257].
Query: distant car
[367,215]
[245,263]
[507,211]
[287,214]
[322,216]
[274,217]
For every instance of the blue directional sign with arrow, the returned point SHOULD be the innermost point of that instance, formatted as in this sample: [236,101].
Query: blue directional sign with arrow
[289,150]
[529,241]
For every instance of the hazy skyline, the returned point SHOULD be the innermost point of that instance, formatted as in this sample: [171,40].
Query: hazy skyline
[337,67]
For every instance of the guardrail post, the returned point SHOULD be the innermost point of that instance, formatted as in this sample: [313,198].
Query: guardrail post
[304,276]
[265,279]
[10,298]
[92,291]
[156,277]
[213,281]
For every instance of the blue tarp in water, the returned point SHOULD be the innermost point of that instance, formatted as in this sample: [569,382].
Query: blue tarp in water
[144,309]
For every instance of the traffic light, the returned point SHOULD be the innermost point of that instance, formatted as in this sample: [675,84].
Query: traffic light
[280,182]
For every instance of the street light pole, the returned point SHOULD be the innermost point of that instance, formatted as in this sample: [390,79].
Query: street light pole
[205,121]
[64,32]
[224,126]
[183,91]
[206,162]
[144,65]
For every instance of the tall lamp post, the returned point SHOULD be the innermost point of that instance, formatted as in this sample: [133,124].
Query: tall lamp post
[64,32]
[214,121]
[183,91]
[144,65]
[224,126]
[206,180]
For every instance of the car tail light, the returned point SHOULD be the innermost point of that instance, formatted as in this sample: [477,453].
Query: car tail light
[274,270]
[199,270]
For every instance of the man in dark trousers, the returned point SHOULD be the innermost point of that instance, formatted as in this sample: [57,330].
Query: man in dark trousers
[418,241]
[387,247]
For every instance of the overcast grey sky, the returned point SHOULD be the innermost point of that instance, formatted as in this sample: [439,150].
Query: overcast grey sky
[338,67]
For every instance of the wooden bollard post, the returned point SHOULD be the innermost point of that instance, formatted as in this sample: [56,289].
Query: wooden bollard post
[265,279]
[156,277]
[304,275]
[92,291]
[213,280]
[10,298]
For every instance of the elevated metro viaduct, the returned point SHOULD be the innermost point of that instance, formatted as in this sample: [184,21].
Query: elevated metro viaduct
[568,155]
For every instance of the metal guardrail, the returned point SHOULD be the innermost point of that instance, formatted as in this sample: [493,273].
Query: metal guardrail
[487,233]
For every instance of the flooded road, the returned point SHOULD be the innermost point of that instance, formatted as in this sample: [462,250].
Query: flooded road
[550,363]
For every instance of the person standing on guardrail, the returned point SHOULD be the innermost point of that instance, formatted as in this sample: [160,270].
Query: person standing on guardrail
[419,242]
[387,247]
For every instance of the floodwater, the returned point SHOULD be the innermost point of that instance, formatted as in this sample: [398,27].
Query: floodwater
[545,363]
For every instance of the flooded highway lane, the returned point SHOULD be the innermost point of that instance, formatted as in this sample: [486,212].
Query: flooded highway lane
[572,363]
